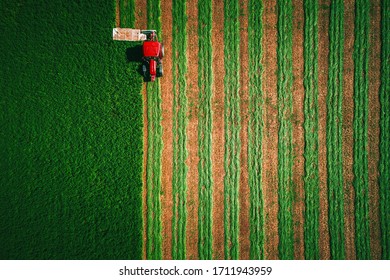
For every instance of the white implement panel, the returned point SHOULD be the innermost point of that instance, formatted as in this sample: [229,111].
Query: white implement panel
[128,34]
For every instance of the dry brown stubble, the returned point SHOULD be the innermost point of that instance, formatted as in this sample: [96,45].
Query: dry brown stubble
[270,134]
[167,152]
[192,131]
[349,207]
[218,130]
[373,128]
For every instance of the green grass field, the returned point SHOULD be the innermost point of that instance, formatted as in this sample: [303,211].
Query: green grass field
[71,134]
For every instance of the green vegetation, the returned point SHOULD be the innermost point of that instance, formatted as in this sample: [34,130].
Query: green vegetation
[285,148]
[205,81]
[127,13]
[180,119]
[360,129]
[153,165]
[71,134]
[232,127]
[384,145]
[334,130]
[255,129]
[311,179]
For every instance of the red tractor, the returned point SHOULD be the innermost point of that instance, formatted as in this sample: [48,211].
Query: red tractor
[152,49]
[153,52]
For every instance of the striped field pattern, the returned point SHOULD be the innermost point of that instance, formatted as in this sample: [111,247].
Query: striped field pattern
[325,168]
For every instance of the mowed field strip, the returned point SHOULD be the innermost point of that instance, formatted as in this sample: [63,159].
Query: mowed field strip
[322,207]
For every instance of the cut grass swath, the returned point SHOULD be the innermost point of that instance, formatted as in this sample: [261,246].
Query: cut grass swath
[255,129]
[205,81]
[153,168]
[334,130]
[311,179]
[360,128]
[384,145]
[179,176]
[285,148]
[232,127]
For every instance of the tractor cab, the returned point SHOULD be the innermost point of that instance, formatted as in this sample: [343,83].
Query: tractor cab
[153,52]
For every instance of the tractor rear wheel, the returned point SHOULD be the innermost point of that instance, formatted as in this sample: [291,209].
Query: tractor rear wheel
[160,70]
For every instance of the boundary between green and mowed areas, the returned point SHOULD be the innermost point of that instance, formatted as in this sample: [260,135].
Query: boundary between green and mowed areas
[71,134]
[179,129]
[153,165]
[205,82]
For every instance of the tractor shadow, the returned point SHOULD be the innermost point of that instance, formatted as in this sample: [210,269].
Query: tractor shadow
[134,54]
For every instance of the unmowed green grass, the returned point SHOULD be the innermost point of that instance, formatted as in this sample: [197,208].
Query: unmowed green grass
[71,134]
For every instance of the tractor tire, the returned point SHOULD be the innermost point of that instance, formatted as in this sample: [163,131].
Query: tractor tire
[160,70]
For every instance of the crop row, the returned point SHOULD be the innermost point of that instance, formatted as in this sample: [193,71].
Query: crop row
[255,129]
[311,179]
[334,130]
[179,176]
[127,13]
[153,165]
[360,128]
[205,81]
[384,146]
[232,127]
[285,148]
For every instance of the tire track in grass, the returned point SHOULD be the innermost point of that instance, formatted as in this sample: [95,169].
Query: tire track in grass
[154,241]
[232,127]
[311,179]
[179,182]
[334,131]
[285,148]
[205,81]
[360,126]
[255,129]
[384,146]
